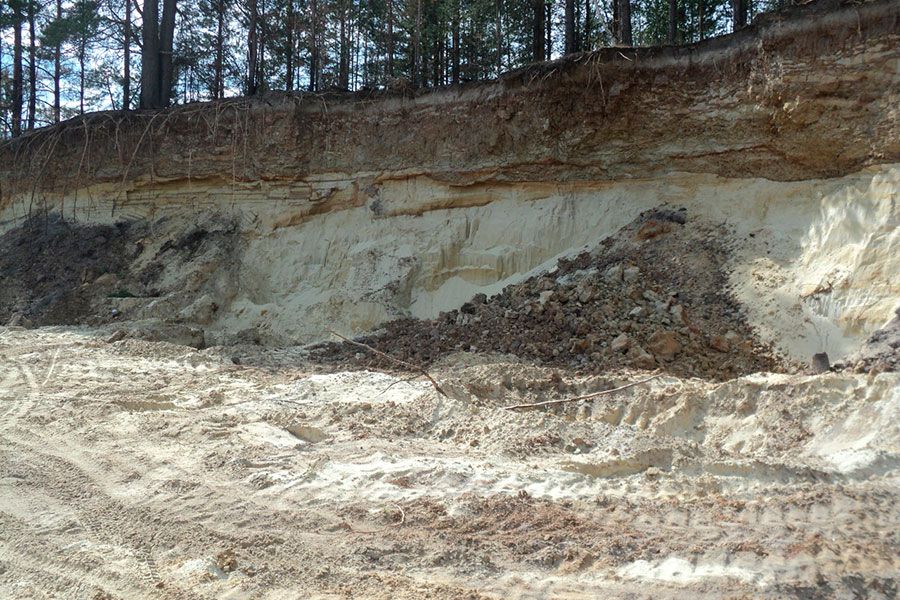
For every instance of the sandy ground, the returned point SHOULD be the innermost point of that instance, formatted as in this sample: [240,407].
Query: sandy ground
[135,469]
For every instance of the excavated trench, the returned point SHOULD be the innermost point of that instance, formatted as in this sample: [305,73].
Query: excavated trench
[713,216]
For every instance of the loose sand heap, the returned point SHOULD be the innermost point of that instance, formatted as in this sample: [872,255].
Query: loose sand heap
[880,352]
[137,469]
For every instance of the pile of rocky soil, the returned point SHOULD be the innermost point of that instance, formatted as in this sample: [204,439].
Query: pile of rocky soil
[653,296]
[879,353]
[60,272]
[51,269]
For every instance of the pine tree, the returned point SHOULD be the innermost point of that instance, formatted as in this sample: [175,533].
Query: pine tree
[156,53]
[222,47]
[17,98]
[6,93]
[571,44]
[537,52]
[31,7]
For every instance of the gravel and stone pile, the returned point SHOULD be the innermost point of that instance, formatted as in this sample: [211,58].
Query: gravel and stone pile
[653,296]
[880,352]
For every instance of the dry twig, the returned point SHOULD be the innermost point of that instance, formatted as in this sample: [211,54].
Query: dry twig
[408,365]
[407,380]
[585,397]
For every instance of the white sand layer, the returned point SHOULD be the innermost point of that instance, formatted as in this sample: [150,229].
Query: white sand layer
[816,263]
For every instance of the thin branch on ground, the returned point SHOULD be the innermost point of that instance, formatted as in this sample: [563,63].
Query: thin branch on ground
[585,397]
[407,380]
[408,365]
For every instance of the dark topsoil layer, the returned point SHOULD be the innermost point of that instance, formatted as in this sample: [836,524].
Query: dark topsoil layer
[59,272]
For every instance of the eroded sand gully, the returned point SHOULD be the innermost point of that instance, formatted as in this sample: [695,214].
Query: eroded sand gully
[140,469]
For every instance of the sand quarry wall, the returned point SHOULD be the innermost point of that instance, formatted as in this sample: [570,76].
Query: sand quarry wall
[354,209]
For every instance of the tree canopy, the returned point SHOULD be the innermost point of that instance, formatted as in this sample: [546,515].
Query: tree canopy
[59,58]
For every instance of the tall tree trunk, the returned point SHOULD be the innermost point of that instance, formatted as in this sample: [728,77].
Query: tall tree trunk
[252,48]
[508,40]
[366,74]
[166,46]
[126,47]
[289,67]
[218,75]
[571,45]
[314,48]
[390,38]
[548,25]
[673,22]
[150,62]
[156,53]
[17,69]
[82,51]
[344,53]
[616,21]
[218,68]
[32,65]
[57,69]
[537,45]
[455,40]
[700,18]
[498,35]
[625,23]
[2,108]
[417,45]
[588,41]
[438,61]
[357,44]
[445,60]
[739,7]
[263,38]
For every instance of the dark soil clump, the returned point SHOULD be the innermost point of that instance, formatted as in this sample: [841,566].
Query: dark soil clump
[48,267]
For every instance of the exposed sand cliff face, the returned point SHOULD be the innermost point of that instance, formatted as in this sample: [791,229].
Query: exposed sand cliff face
[816,263]
[351,211]
[819,273]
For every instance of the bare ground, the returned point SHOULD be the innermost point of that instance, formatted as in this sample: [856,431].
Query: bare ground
[138,469]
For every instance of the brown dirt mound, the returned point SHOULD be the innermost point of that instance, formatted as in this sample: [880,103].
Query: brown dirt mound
[46,263]
[652,296]
[60,272]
